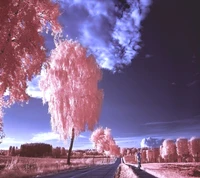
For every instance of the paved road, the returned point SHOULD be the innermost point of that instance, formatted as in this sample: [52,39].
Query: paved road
[100,171]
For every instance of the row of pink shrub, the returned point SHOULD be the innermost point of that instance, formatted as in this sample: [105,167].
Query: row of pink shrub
[181,150]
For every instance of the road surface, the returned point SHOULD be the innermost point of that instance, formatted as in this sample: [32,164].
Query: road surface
[100,171]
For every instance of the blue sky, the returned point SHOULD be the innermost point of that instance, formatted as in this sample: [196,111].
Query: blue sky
[155,93]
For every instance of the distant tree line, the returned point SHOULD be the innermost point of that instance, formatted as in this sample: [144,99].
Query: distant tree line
[181,150]
[36,150]
[13,151]
[46,150]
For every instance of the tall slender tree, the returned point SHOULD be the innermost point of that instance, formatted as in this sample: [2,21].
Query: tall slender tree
[70,86]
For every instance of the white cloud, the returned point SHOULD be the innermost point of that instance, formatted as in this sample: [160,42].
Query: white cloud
[33,89]
[151,142]
[110,32]
[82,136]
[10,141]
[48,136]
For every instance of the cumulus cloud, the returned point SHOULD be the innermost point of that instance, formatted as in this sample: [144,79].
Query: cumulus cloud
[43,137]
[47,136]
[151,142]
[33,89]
[10,141]
[109,29]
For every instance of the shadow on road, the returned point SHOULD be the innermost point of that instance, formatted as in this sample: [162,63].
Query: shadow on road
[141,173]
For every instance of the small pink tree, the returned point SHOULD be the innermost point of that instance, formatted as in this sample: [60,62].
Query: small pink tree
[133,151]
[168,150]
[182,148]
[70,86]
[104,142]
[22,49]
[194,148]
[114,149]
[156,153]
[149,155]
[143,156]
[123,151]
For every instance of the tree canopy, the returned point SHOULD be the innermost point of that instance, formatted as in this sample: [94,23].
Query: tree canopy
[104,142]
[70,86]
[22,48]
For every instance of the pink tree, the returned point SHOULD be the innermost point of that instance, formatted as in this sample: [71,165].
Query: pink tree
[156,153]
[143,156]
[104,142]
[114,149]
[133,151]
[194,148]
[168,150]
[123,151]
[22,49]
[70,86]
[149,155]
[182,148]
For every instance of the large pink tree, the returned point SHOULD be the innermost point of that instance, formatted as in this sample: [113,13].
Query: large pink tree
[104,142]
[22,49]
[70,86]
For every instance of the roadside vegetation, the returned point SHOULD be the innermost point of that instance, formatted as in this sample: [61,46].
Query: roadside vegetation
[25,167]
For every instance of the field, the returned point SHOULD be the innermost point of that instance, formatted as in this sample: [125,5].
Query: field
[24,167]
[166,170]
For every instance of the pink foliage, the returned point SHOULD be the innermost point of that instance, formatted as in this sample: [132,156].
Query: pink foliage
[21,45]
[104,142]
[149,155]
[22,50]
[182,146]
[168,150]
[133,151]
[194,146]
[123,151]
[156,153]
[143,156]
[70,86]
[114,149]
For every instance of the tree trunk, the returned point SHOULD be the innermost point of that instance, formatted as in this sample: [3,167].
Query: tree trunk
[70,147]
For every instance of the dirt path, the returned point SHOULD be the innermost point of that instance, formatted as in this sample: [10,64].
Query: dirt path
[141,173]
